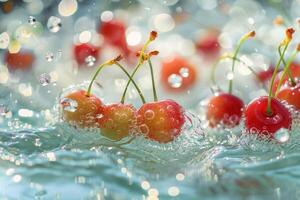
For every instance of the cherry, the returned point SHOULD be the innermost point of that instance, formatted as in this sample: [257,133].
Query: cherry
[85,112]
[265,75]
[114,33]
[161,121]
[22,60]
[180,67]
[224,108]
[291,94]
[260,121]
[208,45]
[295,73]
[82,51]
[117,121]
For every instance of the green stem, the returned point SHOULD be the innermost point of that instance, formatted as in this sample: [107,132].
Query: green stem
[289,73]
[153,81]
[269,109]
[285,71]
[233,62]
[129,81]
[133,82]
[88,93]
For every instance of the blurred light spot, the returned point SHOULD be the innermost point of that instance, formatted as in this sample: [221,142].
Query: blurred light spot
[14,46]
[35,7]
[208,4]
[133,37]
[85,37]
[169,2]
[17,178]
[25,113]
[225,41]
[67,7]
[153,192]
[173,191]
[251,20]
[107,16]
[10,171]
[4,40]
[51,156]
[145,185]
[25,89]
[180,177]
[54,76]
[163,22]
[4,74]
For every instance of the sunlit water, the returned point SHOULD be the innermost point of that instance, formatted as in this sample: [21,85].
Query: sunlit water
[50,159]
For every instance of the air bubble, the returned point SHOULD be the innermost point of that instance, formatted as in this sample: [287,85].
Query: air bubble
[49,56]
[184,72]
[69,104]
[144,129]
[90,61]
[230,76]
[3,110]
[45,79]
[4,40]
[149,114]
[175,81]
[54,24]
[282,135]
[31,20]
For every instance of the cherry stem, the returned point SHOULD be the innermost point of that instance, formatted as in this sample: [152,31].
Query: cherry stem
[88,93]
[288,70]
[153,81]
[285,70]
[133,82]
[140,62]
[242,40]
[239,60]
[269,109]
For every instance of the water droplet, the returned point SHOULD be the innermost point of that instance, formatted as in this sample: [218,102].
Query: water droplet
[282,135]
[175,80]
[54,24]
[90,61]
[45,79]
[144,129]
[69,104]
[149,114]
[184,72]
[31,20]
[49,56]
[230,76]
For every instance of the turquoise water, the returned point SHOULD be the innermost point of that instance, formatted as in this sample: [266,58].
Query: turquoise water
[41,157]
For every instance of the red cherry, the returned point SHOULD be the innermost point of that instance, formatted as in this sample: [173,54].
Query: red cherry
[22,60]
[178,66]
[295,71]
[84,114]
[82,51]
[114,33]
[264,124]
[265,75]
[224,108]
[117,121]
[208,45]
[291,94]
[161,121]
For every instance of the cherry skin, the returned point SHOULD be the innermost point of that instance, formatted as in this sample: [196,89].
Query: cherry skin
[208,45]
[224,108]
[22,60]
[180,67]
[117,121]
[82,51]
[161,121]
[291,94]
[114,33]
[295,71]
[87,110]
[257,119]
[265,75]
